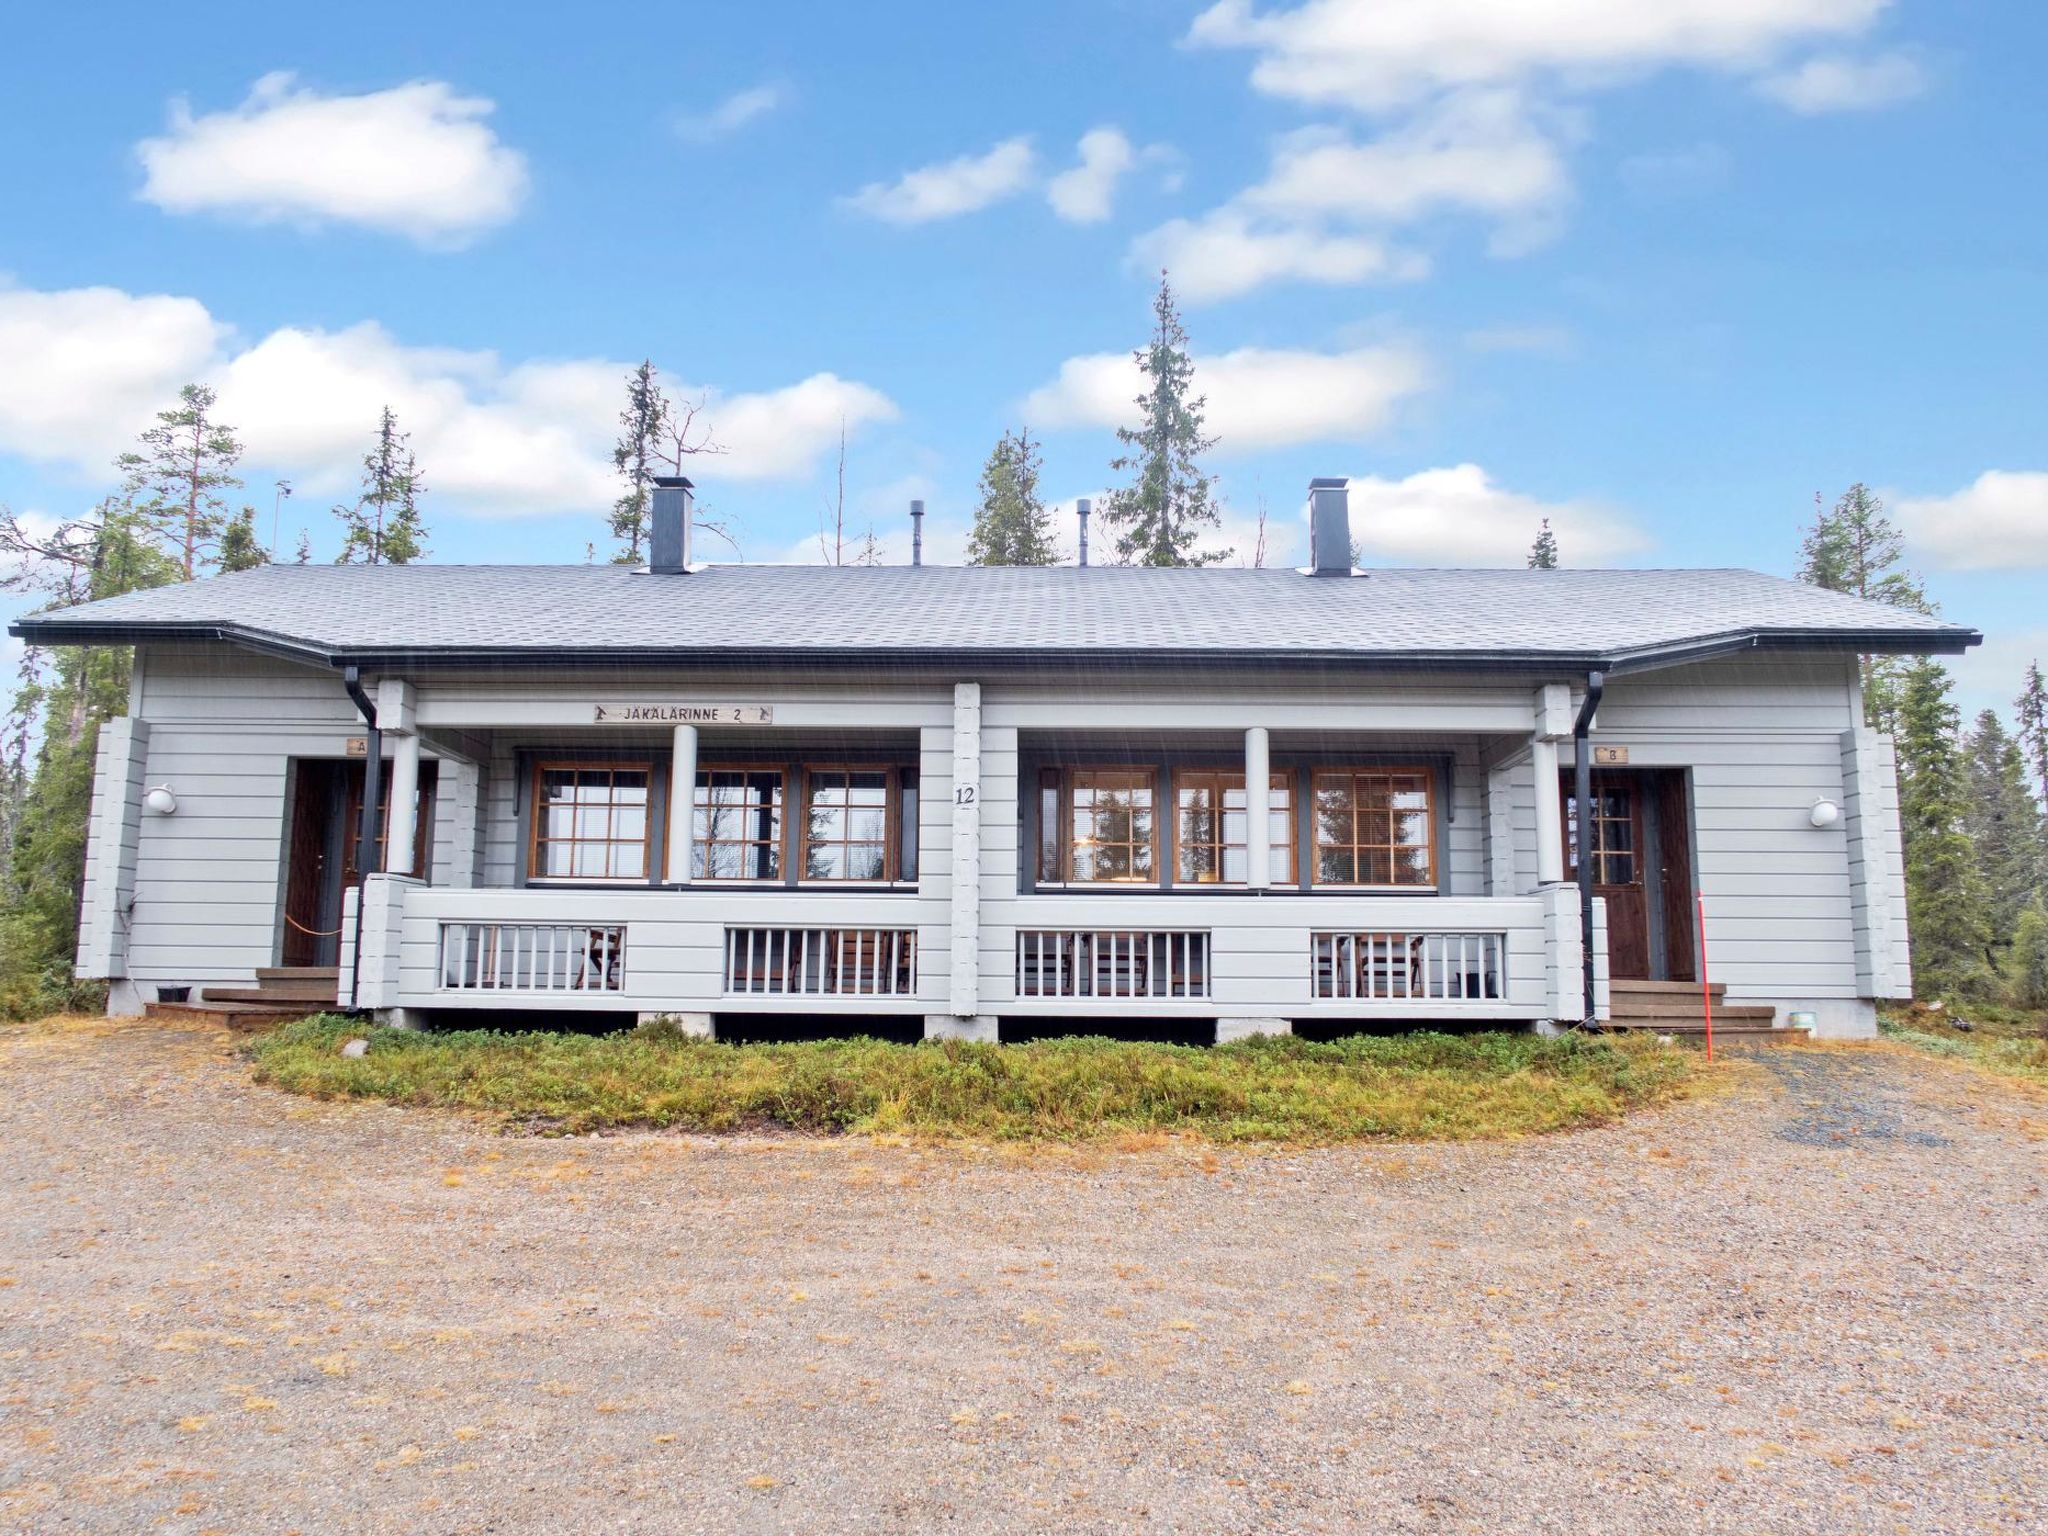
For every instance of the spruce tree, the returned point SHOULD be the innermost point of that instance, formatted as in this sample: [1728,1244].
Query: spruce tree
[383,527]
[2030,715]
[239,549]
[1543,554]
[1856,549]
[1947,899]
[636,457]
[657,435]
[2004,823]
[1012,524]
[60,703]
[1161,516]
[2026,963]
[176,479]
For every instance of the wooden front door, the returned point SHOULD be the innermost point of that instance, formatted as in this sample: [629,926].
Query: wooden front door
[327,806]
[1642,868]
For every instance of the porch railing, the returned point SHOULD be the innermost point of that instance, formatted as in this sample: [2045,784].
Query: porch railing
[821,962]
[1140,963]
[532,957]
[1405,967]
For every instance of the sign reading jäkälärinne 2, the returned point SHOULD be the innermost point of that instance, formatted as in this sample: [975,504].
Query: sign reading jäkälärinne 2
[684,714]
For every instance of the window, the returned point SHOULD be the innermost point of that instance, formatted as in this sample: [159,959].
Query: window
[590,821]
[736,825]
[1374,826]
[1109,836]
[1210,827]
[1614,835]
[846,823]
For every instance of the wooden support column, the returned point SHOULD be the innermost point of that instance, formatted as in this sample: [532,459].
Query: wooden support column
[1258,805]
[965,995]
[398,722]
[400,840]
[682,803]
[1553,720]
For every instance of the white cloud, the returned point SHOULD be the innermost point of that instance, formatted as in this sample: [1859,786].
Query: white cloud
[1843,83]
[731,114]
[1998,521]
[1475,151]
[417,160]
[1989,676]
[1087,193]
[951,188]
[1224,254]
[1378,54]
[1458,516]
[1479,102]
[1322,212]
[1258,397]
[87,367]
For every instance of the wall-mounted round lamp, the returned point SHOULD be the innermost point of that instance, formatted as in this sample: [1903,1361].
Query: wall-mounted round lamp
[159,800]
[1825,813]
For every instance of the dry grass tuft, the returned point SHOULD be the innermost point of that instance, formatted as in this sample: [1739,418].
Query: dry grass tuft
[1416,1086]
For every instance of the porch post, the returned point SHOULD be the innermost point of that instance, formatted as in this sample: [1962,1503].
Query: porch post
[966,934]
[964,1019]
[1553,720]
[1258,805]
[399,841]
[398,722]
[682,804]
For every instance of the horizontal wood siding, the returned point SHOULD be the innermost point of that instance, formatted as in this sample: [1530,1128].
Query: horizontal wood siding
[1761,740]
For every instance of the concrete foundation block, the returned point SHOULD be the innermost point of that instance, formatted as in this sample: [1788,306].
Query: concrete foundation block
[398,1018]
[1834,1018]
[703,1025]
[951,1026]
[1230,1029]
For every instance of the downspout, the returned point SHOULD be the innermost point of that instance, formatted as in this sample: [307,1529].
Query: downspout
[366,827]
[1582,800]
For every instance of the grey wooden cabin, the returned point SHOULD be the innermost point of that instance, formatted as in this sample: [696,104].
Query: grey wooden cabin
[983,797]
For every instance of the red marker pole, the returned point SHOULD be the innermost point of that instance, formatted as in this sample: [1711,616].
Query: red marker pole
[1706,987]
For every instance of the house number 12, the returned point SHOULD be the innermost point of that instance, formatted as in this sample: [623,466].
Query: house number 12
[964,795]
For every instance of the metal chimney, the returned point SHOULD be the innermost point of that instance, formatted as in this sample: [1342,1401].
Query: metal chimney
[917,533]
[668,531]
[1329,527]
[1083,507]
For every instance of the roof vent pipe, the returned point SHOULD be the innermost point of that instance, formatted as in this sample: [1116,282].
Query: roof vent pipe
[1329,527]
[917,533]
[668,532]
[1082,508]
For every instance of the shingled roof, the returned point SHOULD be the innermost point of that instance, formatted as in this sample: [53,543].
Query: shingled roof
[388,615]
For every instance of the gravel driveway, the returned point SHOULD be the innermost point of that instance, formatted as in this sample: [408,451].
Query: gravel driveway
[1814,1302]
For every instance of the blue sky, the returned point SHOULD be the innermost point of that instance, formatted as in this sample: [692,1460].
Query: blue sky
[1658,271]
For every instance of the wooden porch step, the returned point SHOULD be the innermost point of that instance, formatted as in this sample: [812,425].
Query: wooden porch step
[292,993]
[1690,989]
[269,973]
[1680,1008]
[245,1017]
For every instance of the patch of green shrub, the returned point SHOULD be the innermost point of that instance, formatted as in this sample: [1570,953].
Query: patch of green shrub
[1422,1085]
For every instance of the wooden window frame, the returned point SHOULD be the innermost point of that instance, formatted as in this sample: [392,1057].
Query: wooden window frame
[1353,772]
[1603,855]
[1070,775]
[780,842]
[892,810]
[1282,782]
[537,820]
